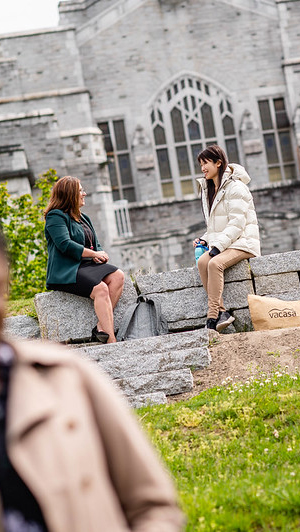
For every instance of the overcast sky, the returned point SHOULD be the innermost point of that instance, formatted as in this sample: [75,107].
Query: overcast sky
[22,15]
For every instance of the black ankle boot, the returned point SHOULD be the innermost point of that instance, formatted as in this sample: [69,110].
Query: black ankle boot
[99,336]
[212,323]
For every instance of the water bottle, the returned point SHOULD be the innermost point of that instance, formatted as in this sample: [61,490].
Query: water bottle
[199,250]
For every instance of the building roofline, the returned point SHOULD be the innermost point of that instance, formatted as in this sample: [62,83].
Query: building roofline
[33,33]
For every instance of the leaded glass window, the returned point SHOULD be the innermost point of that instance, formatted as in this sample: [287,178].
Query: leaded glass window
[118,158]
[188,116]
[277,139]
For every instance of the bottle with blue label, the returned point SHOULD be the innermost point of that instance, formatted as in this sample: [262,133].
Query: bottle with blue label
[199,250]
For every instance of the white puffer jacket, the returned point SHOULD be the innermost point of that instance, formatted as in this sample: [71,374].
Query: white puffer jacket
[232,221]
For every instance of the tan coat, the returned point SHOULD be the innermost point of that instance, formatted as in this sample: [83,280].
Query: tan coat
[78,448]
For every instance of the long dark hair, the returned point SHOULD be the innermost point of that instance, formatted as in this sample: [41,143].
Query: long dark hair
[213,153]
[65,196]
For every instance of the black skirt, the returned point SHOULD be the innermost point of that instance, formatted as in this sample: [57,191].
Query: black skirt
[89,274]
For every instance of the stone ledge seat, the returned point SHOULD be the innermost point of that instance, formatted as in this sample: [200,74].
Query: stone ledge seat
[149,369]
[68,318]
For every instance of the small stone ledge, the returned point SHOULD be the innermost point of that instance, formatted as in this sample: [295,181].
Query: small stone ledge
[169,382]
[68,318]
[147,399]
[22,327]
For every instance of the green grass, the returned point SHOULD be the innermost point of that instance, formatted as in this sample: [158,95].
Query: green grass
[234,454]
[21,306]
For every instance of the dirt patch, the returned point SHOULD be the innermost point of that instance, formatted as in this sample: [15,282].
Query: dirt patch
[241,355]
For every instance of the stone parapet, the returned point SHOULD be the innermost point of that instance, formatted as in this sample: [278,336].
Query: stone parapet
[275,263]
[183,298]
[68,318]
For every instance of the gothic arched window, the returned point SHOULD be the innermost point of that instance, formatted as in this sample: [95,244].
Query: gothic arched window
[188,116]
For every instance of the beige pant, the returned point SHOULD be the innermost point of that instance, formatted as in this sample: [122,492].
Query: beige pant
[211,270]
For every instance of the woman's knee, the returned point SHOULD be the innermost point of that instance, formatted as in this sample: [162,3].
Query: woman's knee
[115,280]
[100,291]
[119,277]
[202,264]
[215,265]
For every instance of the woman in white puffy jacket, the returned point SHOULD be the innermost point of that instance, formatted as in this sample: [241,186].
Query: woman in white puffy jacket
[232,230]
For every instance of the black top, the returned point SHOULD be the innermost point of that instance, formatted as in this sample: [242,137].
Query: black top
[21,512]
[89,241]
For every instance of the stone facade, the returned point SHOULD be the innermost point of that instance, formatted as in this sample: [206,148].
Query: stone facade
[162,78]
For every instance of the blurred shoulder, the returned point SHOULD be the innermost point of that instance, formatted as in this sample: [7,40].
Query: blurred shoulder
[42,352]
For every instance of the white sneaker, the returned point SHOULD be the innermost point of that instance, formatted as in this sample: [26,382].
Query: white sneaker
[224,320]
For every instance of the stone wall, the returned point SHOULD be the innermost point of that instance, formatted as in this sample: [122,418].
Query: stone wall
[37,132]
[42,61]
[67,318]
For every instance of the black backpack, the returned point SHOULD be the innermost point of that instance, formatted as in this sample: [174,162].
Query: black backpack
[142,319]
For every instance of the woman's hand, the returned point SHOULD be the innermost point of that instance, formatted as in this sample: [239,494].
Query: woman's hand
[199,241]
[100,257]
[214,252]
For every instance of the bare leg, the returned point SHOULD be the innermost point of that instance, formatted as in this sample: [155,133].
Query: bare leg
[115,283]
[104,310]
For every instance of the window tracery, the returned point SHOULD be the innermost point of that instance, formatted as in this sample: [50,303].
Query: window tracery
[188,116]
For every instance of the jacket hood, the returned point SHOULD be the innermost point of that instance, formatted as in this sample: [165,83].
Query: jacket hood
[236,171]
[233,171]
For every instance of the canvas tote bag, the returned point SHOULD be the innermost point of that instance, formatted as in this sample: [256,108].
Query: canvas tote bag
[271,313]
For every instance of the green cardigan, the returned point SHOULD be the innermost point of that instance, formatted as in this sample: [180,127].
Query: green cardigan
[65,241]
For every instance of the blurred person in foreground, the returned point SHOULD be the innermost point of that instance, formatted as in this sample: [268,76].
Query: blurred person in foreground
[72,457]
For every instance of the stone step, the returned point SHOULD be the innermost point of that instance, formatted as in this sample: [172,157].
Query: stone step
[135,364]
[159,365]
[22,326]
[168,382]
[147,399]
[143,346]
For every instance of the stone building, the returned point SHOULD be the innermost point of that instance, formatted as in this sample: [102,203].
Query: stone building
[125,93]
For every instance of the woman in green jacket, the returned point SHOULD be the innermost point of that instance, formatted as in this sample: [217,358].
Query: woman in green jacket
[76,262]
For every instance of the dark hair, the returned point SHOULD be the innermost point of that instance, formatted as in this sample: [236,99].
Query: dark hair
[65,196]
[213,153]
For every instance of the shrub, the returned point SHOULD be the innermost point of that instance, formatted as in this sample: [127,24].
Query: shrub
[22,222]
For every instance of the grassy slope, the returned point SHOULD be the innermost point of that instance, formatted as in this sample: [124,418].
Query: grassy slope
[21,306]
[234,454]
[233,451]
